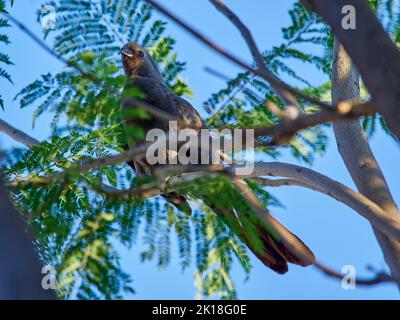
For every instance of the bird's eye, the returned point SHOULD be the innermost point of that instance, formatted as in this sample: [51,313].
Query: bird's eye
[141,53]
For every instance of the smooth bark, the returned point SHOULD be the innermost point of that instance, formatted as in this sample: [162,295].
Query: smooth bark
[357,155]
[375,55]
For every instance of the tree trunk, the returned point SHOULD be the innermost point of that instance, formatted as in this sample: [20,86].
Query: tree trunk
[357,155]
[376,56]
[20,270]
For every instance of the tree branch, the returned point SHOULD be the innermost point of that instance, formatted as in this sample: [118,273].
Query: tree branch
[280,132]
[130,155]
[279,182]
[313,180]
[380,71]
[318,182]
[380,277]
[357,155]
[272,80]
[17,135]
[44,46]
[285,129]
[144,192]
[284,94]
[302,176]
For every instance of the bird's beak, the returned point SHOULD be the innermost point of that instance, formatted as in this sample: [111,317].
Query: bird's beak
[127,52]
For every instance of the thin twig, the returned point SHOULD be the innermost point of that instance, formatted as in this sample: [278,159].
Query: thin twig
[216,73]
[44,46]
[226,103]
[130,155]
[380,277]
[144,191]
[231,57]
[285,129]
[276,84]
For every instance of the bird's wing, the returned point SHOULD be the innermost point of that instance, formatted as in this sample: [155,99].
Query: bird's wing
[157,96]
[188,115]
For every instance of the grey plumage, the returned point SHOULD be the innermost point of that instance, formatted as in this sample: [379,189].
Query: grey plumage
[143,73]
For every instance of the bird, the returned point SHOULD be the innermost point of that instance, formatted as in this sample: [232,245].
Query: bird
[143,73]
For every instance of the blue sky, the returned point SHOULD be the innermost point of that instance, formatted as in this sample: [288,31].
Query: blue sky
[337,235]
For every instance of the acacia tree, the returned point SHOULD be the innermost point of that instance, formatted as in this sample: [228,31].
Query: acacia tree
[79,196]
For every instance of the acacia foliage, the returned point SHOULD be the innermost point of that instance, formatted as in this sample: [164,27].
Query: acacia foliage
[4,40]
[79,226]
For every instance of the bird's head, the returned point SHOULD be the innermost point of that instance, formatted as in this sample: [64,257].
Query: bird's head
[137,61]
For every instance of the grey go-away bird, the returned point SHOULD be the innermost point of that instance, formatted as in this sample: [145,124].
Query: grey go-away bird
[143,73]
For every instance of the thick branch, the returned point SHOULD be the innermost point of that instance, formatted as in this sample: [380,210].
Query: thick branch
[381,70]
[357,155]
[17,135]
[312,180]
[280,182]
[318,182]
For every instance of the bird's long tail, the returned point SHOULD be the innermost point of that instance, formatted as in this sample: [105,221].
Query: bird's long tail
[272,252]
[269,249]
